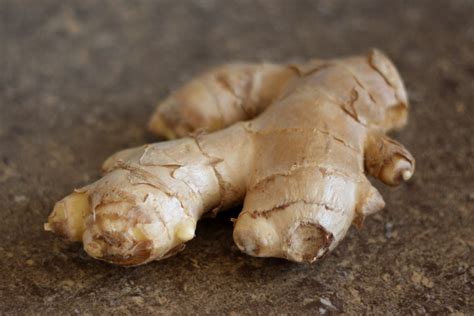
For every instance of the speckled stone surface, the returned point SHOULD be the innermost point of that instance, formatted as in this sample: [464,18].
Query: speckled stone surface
[78,80]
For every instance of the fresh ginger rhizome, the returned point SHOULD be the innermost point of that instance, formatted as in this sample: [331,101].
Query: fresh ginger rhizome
[293,143]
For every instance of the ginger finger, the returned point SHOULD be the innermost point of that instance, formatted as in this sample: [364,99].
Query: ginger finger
[219,98]
[388,160]
[148,203]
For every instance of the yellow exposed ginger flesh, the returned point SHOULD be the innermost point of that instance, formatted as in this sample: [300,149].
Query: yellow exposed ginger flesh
[293,143]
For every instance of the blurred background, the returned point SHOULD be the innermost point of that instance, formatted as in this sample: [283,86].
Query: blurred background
[79,80]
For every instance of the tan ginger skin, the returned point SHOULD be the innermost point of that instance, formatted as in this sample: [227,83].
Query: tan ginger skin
[290,142]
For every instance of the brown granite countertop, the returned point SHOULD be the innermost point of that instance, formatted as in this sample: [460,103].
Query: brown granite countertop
[78,80]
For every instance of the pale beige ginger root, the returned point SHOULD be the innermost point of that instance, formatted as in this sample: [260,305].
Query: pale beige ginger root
[292,142]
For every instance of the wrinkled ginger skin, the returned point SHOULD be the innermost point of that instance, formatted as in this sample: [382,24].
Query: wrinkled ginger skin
[293,143]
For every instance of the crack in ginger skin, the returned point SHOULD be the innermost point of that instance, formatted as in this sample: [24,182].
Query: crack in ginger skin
[293,143]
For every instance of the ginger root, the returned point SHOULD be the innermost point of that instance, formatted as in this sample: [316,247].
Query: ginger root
[290,142]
